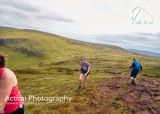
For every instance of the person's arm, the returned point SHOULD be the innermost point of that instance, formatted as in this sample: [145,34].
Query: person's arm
[80,68]
[5,89]
[131,66]
[88,69]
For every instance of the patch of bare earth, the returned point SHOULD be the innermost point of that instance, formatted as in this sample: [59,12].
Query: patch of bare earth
[115,96]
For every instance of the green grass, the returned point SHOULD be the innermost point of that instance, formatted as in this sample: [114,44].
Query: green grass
[55,72]
[56,85]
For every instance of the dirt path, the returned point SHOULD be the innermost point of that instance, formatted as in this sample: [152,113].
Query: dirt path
[115,96]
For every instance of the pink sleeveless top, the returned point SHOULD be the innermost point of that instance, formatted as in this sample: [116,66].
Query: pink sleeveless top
[15,99]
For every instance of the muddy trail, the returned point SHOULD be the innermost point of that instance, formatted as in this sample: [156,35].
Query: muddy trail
[114,96]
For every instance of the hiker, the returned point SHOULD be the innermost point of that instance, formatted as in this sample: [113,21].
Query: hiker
[84,72]
[11,101]
[135,68]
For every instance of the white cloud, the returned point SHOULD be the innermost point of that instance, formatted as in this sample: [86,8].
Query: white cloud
[79,17]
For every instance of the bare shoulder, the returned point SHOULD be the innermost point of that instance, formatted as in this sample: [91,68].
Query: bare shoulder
[8,73]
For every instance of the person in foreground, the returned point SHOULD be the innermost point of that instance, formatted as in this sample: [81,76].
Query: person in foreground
[11,101]
[135,68]
[84,72]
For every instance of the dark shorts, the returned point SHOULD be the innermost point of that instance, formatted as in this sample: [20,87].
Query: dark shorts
[84,72]
[134,74]
[19,110]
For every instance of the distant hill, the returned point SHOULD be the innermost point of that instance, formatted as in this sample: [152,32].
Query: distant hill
[33,46]
[149,53]
[38,48]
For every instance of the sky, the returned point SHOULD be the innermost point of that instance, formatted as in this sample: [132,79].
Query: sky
[125,23]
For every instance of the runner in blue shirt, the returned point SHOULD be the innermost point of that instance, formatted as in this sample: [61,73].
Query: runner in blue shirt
[135,68]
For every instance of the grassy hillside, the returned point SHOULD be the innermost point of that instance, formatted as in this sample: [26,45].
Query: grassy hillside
[47,65]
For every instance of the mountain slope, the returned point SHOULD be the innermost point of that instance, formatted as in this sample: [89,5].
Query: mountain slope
[47,65]
[43,49]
